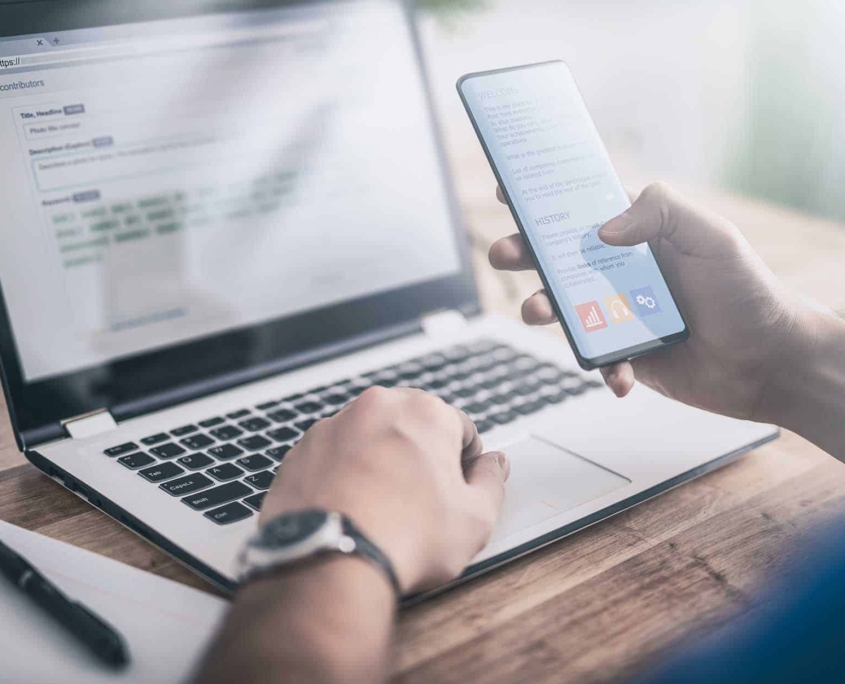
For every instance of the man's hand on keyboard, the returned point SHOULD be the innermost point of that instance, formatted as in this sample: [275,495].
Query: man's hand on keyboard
[409,470]
[745,326]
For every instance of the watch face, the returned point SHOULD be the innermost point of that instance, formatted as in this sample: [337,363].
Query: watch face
[293,527]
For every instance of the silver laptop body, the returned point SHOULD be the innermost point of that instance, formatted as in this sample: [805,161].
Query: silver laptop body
[219,228]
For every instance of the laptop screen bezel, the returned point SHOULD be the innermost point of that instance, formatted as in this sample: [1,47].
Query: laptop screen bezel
[159,378]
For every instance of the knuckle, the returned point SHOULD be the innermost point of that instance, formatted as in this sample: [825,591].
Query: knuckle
[658,191]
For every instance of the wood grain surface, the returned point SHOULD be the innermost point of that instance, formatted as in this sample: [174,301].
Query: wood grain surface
[599,605]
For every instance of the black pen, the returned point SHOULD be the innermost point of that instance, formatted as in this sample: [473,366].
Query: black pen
[103,640]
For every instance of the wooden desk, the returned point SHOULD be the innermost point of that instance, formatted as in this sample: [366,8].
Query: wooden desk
[598,605]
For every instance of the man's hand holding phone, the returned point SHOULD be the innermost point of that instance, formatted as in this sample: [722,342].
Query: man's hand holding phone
[744,324]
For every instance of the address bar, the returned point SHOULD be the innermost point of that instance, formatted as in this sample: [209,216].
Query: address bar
[165,44]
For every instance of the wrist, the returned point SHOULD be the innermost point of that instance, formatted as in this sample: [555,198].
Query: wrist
[807,394]
[327,620]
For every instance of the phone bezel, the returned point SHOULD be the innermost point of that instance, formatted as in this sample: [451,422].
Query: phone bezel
[587,363]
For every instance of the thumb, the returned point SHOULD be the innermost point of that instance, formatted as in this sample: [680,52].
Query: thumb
[661,212]
[486,477]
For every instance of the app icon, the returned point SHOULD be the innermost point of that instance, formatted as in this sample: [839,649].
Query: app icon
[645,301]
[591,316]
[618,308]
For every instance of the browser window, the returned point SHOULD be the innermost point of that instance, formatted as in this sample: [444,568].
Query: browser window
[171,180]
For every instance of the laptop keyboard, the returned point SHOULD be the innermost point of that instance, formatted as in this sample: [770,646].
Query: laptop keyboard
[223,465]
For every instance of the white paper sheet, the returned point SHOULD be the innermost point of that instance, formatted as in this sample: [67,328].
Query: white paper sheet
[166,625]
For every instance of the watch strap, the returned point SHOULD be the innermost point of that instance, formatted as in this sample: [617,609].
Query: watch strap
[365,548]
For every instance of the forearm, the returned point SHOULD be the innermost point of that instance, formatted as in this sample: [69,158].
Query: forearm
[808,396]
[329,621]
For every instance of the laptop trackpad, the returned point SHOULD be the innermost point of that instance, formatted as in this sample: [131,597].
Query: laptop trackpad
[547,480]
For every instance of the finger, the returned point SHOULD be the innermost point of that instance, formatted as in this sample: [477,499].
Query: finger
[471,446]
[486,478]
[619,378]
[500,195]
[537,309]
[511,254]
[660,212]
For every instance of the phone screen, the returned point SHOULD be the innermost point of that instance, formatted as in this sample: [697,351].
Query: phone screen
[561,186]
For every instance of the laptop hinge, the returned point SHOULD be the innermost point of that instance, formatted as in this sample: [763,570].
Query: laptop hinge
[89,424]
[444,323]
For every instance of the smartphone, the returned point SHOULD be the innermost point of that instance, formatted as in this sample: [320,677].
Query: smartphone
[561,187]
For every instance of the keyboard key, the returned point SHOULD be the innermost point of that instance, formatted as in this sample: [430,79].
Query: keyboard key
[255,443]
[457,353]
[484,426]
[500,399]
[529,407]
[525,363]
[161,472]
[167,450]
[477,407]
[549,373]
[225,471]
[217,495]
[137,460]
[234,415]
[283,434]
[229,513]
[211,422]
[196,461]
[432,362]
[226,451]
[261,480]
[255,500]
[155,439]
[278,453]
[504,417]
[267,405]
[336,399]
[292,398]
[556,398]
[227,432]
[187,484]
[255,462]
[308,407]
[385,382]
[255,424]
[121,449]
[482,346]
[303,425]
[197,441]
[282,415]
[184,430]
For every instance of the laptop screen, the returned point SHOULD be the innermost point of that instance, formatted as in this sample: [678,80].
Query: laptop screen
[170,180]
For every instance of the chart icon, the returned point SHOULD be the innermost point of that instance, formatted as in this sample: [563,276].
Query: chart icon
[591,316]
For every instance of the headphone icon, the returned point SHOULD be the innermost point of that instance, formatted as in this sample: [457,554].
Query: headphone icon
[619,310]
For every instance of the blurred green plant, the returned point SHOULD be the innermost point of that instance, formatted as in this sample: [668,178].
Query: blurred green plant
[449,10]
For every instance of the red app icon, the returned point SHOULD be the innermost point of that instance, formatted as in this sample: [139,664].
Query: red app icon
[591,316]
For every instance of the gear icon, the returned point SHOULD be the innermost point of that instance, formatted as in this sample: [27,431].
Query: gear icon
[645,300]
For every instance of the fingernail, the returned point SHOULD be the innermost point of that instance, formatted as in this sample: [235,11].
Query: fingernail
[614,227]
[504,464]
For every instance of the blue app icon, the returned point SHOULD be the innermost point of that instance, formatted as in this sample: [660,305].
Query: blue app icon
[645,302]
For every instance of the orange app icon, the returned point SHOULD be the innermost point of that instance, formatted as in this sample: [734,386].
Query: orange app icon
[591,316]
[618,308]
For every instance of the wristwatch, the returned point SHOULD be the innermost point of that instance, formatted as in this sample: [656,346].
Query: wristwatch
[295,537]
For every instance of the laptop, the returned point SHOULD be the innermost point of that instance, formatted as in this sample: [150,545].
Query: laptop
[221,222]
